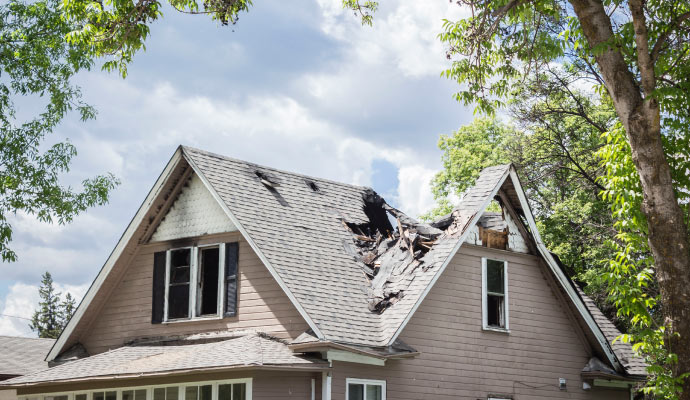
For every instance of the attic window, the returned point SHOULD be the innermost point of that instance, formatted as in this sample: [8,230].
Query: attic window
[312,185]
[195,282]
[495,294]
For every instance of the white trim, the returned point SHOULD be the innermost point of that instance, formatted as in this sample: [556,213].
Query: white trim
[562,279]
[365,382]
[461,240]
[115,255]
[506,307]
[612,383]
[256,248]
[313,389]
[346,356]
[149,389]
[326,385]
[221,280]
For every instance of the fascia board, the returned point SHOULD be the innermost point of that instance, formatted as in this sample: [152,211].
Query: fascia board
[114,256]
[255,247]
[560,276]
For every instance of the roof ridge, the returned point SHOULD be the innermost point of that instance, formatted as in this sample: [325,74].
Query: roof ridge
[272,169]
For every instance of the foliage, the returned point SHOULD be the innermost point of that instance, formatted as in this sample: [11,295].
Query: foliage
[37,62]
[631,275]
[506,42]
[53,313]
[118,28]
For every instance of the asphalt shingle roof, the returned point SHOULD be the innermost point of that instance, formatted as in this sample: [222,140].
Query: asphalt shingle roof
[302,234]
[251,349]
[21,356]
[633,364]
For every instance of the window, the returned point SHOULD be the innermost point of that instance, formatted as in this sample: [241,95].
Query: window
[365,389]
[234,389]
[495,294]
[195,282]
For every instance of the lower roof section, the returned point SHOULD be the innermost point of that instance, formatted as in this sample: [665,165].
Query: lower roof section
[248,350]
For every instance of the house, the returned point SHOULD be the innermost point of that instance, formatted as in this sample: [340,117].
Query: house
[21,356]
[236,281]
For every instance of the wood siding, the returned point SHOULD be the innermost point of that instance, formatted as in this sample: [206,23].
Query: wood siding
[459,360]
[126,313]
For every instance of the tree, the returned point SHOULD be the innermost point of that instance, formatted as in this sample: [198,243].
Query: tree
[634,53]
[47,319]
[52,314]
[37,62]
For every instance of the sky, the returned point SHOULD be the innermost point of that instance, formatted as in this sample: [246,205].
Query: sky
[298,85]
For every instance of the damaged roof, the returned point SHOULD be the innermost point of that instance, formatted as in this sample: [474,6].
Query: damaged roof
[315,231]
[203,353]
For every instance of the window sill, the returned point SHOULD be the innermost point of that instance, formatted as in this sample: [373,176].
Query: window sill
[493,329]
[196,319]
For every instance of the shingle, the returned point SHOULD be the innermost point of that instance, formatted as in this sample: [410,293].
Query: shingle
[21,356]
[250,349]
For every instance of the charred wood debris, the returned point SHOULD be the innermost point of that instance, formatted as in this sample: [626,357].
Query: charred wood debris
[391,257]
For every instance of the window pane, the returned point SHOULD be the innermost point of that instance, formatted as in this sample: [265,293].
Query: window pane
[80,396]
[208,281]
[178,301]
[171,393]
[179,266]
[128,395]
[159,394]
[494,276]
[224,392]
[111,395]
[495,311]
[190,393]
[101,396]
[140,394]
[63,397]
[239,391]
[374,392]
[205,392]
[355,391]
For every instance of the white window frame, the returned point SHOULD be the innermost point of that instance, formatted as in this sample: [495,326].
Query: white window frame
[365,382]
[194,300]
[485,309]
[149,390]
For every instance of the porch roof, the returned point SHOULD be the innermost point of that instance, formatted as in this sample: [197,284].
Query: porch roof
[251,350]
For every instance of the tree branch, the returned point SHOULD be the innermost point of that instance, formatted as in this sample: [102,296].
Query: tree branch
[644,60]
[659,45]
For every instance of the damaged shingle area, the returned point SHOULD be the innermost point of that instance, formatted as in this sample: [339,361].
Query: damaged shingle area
[391,257]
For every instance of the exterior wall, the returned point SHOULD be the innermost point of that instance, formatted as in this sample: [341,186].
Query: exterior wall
[459,360]
[266,385]
[126,313]
[8,394]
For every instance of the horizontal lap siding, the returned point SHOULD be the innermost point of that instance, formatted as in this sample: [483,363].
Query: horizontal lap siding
[459,360]
[126,313]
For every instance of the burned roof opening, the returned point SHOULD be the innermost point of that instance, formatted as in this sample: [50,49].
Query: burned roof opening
[266,180]
[312,185]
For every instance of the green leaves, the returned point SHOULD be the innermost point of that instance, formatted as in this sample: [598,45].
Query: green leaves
[36,61]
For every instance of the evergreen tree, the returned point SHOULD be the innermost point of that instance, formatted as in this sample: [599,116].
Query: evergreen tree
[67,308]
[47,319]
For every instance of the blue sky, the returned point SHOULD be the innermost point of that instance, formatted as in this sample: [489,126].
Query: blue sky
[297,85]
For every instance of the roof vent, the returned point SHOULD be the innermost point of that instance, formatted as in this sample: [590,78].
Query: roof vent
[263,178]
[312,185]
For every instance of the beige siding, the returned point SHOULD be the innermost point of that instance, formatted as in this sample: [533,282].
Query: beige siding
[126,314]
[460,360]
[8,394]
[267,385]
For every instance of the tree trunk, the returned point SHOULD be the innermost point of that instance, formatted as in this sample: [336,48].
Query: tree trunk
[668,234]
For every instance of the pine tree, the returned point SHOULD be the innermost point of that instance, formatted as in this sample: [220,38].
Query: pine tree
[47,319]
[67,308]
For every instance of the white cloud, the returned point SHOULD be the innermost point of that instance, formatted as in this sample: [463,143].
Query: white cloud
[21,302]
[414,189]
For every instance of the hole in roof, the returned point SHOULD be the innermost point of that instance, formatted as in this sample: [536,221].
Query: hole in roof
[312,185]
[266,180]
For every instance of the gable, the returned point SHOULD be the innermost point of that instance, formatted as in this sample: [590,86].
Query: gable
[193,213]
